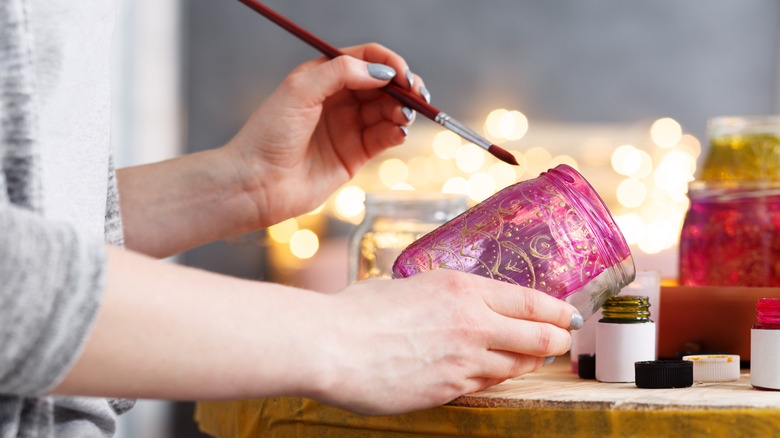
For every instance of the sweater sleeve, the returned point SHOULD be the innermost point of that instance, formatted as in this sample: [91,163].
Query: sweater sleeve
[51,282]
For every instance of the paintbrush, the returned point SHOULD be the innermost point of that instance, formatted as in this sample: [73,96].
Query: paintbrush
[403,95]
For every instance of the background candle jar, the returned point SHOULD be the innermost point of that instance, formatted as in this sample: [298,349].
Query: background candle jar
[743,148]
[392,221]
[731,235]
[552,233]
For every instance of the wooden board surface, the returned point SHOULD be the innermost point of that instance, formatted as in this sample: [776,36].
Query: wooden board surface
[556,387]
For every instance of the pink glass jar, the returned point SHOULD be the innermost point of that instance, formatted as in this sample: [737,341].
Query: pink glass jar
[552,233]
[731,235]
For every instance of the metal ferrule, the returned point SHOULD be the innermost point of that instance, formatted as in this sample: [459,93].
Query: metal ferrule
[459,128]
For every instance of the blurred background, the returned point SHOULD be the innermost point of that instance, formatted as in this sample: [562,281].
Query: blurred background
[621,91]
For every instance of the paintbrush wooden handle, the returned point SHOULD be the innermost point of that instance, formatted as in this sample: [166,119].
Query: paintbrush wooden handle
[403,95]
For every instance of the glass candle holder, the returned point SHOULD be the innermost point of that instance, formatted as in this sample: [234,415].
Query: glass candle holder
[552,233]
[743,148]
[731,235]
[392,221]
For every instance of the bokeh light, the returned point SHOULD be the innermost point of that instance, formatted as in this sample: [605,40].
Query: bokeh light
[469,158]
[564,159]
[283,231]
[645,166]
[632,226]
[317,210]
[626,159]
[631,193]
[537,160]
[446,144]
[349,202]
[418,174]
[393,171]
[480,186]
[666,132]
[503,174]
[304,244]
[402,186]
[457,185]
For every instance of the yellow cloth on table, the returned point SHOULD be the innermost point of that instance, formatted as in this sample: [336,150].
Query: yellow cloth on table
[299,417]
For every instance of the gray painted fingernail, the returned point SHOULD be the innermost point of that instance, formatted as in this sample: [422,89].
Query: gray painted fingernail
[410,78]
[405,130]
[576,321]
[409,113]
[548,360]
[381,71]
[425,94]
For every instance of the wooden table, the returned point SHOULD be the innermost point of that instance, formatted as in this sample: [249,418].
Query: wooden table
[551,402]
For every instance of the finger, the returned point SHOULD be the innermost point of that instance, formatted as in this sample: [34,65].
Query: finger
[314,85]
[373,52]
[501,365]
[530,304]
[529,337]
[382,136]
[386,109]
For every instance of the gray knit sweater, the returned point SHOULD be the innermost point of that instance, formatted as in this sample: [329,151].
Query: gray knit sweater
[51,276]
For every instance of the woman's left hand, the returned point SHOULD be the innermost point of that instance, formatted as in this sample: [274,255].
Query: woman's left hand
[325,120]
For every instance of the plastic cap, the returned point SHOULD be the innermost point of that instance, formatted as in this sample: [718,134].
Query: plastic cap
[715,368]
[664,374]
[586,366]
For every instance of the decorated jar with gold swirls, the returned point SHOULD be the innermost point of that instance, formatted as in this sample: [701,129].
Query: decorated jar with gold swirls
[552,233]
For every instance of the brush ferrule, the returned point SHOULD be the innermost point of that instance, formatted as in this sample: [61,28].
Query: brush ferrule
[462,130]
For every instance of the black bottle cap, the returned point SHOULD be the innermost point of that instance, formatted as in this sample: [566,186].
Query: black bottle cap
[586,366]
[663,374]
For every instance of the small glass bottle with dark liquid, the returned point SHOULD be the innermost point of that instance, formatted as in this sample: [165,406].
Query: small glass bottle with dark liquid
[624,335]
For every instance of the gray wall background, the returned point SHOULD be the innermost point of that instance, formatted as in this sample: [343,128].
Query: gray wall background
[562,61]
[566,61]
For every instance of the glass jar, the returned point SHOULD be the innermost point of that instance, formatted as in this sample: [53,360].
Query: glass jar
[743,148]
[731,235]
[552,233]
[392,221]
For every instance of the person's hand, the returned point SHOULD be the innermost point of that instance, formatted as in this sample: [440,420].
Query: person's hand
[325,120]
[420,342]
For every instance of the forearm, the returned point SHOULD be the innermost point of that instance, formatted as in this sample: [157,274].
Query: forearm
[167,331]
[175,205]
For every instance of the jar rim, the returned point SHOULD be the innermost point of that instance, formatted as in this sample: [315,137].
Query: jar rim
[597,218]
[743,124]
[729,190]
[412,196]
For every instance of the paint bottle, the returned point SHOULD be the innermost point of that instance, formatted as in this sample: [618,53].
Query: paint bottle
[624,335]
[765,345]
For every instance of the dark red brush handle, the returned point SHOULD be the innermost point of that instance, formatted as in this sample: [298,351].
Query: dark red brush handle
[404,96]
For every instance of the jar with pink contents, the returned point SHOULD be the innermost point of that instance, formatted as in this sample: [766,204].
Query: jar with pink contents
[552,233]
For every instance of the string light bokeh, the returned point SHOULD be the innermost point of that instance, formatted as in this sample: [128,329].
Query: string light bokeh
[641,171]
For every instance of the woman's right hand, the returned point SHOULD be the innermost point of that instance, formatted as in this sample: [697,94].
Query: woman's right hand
[414,343]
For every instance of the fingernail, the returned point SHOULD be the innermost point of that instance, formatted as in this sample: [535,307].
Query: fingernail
[548,360]
[409,113]
[410,78]
[576,321]
[381,71]
[425,94]
[405,130]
